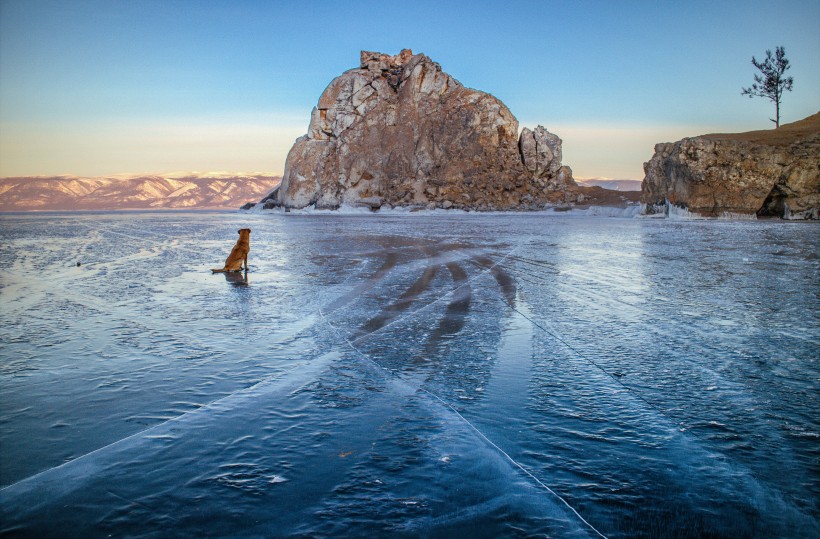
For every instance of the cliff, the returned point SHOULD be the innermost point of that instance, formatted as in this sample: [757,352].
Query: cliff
[173,191]
[399,131]
[772,173]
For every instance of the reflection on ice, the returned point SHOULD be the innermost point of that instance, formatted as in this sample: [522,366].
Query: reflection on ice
[408,375]
[237,278]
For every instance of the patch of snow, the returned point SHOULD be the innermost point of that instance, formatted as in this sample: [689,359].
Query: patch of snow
[184,189]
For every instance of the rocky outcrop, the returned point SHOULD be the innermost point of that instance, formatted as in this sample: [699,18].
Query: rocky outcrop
[399,131]
[760,173]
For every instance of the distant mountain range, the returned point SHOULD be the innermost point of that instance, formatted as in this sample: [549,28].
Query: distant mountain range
[182,190]
[615,185]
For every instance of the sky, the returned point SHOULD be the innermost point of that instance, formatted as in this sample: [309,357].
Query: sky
[142,86]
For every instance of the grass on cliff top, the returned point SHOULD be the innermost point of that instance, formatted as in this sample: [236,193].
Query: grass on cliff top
[784,135]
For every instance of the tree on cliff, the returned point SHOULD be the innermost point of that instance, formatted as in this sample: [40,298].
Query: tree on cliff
[771,83]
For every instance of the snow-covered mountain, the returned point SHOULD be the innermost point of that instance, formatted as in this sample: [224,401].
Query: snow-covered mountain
[613,184]
[178,190]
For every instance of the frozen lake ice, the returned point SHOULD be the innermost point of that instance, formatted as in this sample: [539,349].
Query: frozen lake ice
[408,375]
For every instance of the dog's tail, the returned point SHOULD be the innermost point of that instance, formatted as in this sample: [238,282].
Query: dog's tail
[220,270]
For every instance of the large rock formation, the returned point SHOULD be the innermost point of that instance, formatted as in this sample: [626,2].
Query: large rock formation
[764,173]
[398,130]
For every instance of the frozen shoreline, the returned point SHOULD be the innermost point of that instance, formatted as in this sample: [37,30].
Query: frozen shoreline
[629,211]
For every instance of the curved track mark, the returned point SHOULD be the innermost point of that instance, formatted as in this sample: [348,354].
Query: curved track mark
[402,304]
[456,313]
[390,260]
[504,279]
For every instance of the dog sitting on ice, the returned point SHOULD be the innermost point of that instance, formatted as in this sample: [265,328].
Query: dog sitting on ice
[239,253]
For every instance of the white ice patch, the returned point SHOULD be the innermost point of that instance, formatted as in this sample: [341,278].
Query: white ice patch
[628,212]
[734,216]
[677,213]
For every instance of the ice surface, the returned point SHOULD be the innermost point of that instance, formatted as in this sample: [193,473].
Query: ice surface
[408,375]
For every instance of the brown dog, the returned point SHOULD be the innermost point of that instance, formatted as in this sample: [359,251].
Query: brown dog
[238,254]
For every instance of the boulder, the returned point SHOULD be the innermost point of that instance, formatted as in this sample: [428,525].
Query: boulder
[401,131]
[759,173]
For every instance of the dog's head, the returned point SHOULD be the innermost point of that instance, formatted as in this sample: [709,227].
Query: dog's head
[244,231]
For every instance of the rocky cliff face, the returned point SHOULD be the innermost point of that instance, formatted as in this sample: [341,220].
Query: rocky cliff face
[763,173]
[399,131]
[173,191]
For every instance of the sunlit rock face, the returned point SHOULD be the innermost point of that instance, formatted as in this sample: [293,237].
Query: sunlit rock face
[760,173]
[399,131]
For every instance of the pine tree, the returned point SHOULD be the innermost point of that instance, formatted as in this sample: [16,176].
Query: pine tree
[771,83]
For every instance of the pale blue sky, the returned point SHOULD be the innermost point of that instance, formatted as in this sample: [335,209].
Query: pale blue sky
[105,87]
